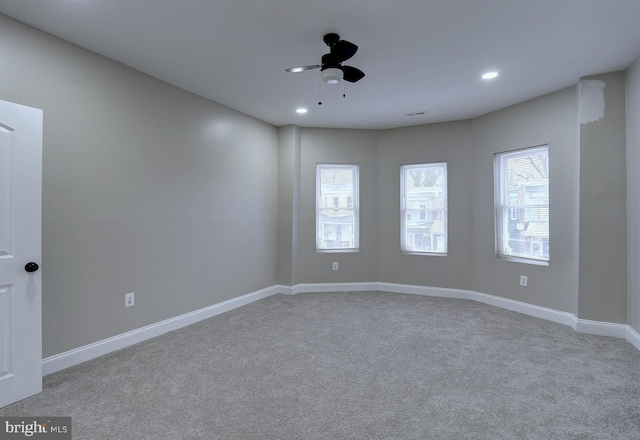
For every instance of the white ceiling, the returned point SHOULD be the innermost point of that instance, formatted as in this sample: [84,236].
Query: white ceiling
[418,55]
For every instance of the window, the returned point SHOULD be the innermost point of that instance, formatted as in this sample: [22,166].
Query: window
[337,224]
[522,204]
[423,207]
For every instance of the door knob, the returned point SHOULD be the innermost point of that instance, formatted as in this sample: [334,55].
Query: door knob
[31,267]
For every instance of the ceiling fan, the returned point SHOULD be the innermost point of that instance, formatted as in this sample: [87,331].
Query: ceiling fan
[331,70]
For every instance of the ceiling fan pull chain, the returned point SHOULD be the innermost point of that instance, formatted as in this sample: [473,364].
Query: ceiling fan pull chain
[319,91]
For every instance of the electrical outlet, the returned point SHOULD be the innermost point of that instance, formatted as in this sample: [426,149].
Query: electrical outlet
[334,266]
[129,299]
[524,280]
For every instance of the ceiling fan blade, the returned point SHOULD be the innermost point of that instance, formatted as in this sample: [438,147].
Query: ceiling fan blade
[352,74]
[302,68]
[343,50]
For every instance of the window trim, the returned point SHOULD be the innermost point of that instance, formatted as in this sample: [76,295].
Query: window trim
[404,211]
[355,208]
[500,204]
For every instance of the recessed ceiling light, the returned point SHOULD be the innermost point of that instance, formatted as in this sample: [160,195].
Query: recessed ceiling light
[301,110]
[489,75]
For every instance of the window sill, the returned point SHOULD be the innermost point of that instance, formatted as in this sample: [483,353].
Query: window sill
[422,254]
[337,251]
[523,260]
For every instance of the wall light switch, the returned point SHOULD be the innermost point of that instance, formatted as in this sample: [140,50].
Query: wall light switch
[334,266]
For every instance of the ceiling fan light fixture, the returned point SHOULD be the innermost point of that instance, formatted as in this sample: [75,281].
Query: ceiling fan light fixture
[331,75]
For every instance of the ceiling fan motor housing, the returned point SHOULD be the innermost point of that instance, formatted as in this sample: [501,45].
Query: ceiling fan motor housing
[329,62]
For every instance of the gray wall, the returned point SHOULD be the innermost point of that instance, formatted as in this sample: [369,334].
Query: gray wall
[147,189]
[633,194]
[603,226]
[288,204]
[339,146]
[552,120]
[447,142]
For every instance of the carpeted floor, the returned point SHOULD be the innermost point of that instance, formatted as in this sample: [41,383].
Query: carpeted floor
[362,365]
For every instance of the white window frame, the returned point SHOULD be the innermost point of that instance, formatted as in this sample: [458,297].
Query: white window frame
[354,208]
[405,213]
[503,208]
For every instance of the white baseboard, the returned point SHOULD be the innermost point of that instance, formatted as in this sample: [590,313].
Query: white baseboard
[545,313]
[602,328]
[334,287]
[82,354]
[442,292]
[285,290]
[503,303]
[633,337]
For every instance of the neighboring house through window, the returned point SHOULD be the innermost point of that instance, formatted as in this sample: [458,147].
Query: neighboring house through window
[423,207]
[337,216]
[522,205]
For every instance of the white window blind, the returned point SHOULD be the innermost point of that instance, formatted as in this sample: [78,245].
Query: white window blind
[337,220]
[522,204]
[423,208]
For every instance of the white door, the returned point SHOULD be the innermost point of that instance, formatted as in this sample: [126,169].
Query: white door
[20,245]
